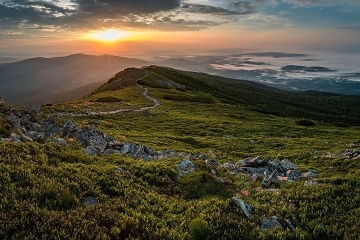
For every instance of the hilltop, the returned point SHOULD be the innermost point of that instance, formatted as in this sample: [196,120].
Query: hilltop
[37,81]
[159,153]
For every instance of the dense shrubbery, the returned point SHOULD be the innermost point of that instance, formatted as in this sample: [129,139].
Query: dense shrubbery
[305,123]
[108,99]
[5,128]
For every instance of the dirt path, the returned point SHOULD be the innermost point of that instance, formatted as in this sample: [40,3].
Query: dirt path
[145,94]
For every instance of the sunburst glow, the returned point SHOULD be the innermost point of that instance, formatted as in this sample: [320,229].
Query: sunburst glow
[109,35]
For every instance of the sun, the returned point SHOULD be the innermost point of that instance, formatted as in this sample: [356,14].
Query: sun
[109,35]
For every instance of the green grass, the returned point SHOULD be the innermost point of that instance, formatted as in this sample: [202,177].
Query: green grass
[43,186]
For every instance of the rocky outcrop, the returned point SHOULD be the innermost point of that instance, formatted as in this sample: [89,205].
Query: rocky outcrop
[270,223]
[246,208]
[186,167]
[270,171]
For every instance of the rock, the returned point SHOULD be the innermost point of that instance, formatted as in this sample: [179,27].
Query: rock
[310,182]
[15,137]
[115,145]
[268,178]
[309,174]
[36,136]
[111,151]
[212,154]
[286,165]
[58,141]
[253,177]
[290,225]
[213,172]
[25,138]
[98,141]
[251,170]
[90,200]
[186,167]
[270,223]
[292,174]
[253,162]
[274,164]
[125,148]
[91,150]
[246,208]
[15,121]
[139,152]
[120,170]
[231,167]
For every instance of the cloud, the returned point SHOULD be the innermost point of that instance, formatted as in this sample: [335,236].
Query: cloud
[238,8]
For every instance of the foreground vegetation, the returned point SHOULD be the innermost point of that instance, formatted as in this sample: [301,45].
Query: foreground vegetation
[45,189]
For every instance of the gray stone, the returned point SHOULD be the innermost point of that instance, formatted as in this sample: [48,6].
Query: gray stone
[309,174]
[290,225]
[286,165]
[310,182]
[15,137]
[90,200]
[253,162]
[186,167]
[270,223]
[58,141]
[268,178]
[111,151]
[139,152]
[25,138]
[125,148]
[246,208]
[292,174]
[15,121]
[91,150]
[213,171]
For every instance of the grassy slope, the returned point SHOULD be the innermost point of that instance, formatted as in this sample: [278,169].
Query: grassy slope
[46,183]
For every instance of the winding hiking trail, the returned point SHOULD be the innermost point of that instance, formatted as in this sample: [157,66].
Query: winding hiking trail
[156,103]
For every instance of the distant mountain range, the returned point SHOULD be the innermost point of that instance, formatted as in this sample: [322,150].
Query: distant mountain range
[37,81]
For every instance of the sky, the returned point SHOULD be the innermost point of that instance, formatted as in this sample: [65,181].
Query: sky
[60,27]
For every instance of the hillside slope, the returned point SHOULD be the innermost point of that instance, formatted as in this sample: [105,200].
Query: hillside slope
[37,80]
[206,160]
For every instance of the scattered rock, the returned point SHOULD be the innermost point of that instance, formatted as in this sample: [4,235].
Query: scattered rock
[292,174]
[270,223]
[60,141]
[186,167]
[90,200]
[310,182]
[290,225]
[246,208]
[91,150]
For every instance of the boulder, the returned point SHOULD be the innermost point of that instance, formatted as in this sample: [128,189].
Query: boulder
[14,121]
[253,162]
[90,150]
[292,174]
[15,137]
[186,167]
[270,223]
[60,141]
[25,138]
[246,208]
[125,148]
[286,165]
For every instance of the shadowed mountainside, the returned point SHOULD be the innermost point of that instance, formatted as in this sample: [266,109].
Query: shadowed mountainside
[44,80]
[199,87]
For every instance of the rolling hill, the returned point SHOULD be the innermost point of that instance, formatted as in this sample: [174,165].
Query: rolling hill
[158,153]
[37,80]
